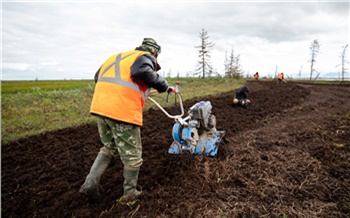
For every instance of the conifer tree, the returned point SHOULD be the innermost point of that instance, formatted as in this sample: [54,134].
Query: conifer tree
[204,66]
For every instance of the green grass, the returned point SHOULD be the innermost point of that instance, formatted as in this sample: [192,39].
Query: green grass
[23,86]
[34,107]
[33,112]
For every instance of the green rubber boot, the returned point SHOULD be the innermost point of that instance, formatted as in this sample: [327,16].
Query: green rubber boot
[90,186]
[130,182]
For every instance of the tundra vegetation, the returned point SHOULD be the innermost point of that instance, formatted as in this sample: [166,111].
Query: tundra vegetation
[33,107]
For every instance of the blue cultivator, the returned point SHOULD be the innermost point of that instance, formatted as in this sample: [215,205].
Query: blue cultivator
[197,132]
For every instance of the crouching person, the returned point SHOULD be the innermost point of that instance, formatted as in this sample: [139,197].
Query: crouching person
[241,97]
[123,83]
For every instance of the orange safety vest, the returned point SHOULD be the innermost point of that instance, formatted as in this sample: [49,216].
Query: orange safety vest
[116,95]
[256,76]
[280,76]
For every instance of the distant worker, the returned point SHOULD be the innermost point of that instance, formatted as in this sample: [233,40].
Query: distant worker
[256,76]
[280,78]
[241,97]
[123,84]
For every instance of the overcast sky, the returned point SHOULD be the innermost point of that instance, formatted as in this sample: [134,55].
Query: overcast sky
[71,39]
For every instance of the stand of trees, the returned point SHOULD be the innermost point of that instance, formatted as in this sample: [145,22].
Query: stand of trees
[232,66]
[232,62]
[204,67]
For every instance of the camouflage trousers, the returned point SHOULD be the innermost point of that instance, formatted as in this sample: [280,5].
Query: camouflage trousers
[120,139]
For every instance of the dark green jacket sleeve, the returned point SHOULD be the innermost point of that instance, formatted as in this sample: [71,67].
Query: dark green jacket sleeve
[142,71]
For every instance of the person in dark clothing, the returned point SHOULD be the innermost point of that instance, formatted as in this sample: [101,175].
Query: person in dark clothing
[241,98]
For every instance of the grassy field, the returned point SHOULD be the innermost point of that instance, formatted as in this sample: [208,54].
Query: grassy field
[24,86]
[33,107]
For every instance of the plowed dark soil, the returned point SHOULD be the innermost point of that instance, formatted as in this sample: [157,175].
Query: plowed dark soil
[286,155]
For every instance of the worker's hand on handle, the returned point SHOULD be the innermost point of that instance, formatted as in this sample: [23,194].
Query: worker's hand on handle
[171,89]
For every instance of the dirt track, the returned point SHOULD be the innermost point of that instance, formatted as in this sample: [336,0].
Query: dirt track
[288,154]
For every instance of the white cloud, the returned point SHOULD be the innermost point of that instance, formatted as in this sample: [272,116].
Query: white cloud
[48,62]
[16,66]
[72,39]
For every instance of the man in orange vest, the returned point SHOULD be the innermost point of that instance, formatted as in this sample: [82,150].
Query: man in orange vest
[123,84]
[280,78]
[256,76]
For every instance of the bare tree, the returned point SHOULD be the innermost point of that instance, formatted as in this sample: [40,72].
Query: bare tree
[204,65]
[315,49]
[232,65]
[226,63]
[169,73]
[276,71]
[229,63]
[237,67]
[343,62]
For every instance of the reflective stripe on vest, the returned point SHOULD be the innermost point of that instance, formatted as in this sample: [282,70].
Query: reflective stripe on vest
[117,80]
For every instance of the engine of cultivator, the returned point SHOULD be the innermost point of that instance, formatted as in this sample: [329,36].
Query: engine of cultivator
[197,132]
